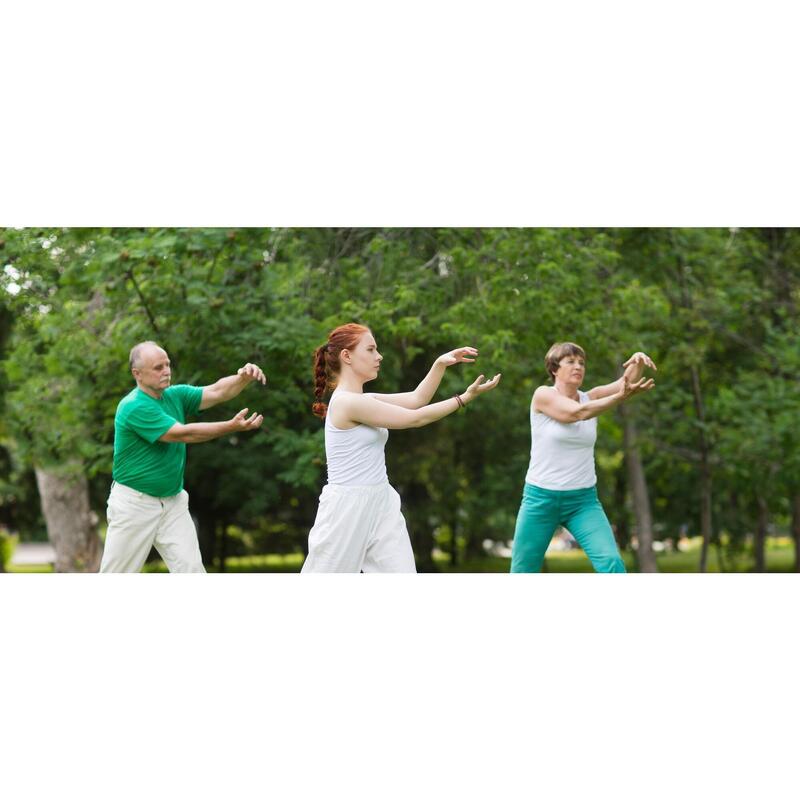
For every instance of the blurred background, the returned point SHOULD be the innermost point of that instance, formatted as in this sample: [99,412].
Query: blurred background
[702,474]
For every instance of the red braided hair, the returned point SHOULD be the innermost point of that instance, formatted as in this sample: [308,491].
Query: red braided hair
[326,361]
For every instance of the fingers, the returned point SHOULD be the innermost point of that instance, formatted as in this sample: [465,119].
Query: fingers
[258,374]
[647,361]
[488,386]
[254,372]
[641,358]
[462,354]
[244,423]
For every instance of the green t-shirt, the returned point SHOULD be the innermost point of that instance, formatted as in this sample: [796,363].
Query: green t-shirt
[140,460]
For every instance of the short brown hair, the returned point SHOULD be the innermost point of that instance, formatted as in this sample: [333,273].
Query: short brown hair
[558,351]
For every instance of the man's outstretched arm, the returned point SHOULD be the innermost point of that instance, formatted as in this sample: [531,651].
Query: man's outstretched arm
[206,431]
[228,388]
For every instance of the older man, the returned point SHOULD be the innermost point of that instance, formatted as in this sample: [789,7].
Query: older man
[148,506]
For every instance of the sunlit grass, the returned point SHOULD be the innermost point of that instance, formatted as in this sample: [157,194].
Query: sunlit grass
[779,558]
[29,568]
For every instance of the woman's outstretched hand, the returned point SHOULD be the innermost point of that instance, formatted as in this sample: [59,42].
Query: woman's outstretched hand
[476,388]
[629,389]
[457,356]
[635,366]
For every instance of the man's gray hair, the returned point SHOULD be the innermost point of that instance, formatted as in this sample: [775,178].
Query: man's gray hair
[136,353]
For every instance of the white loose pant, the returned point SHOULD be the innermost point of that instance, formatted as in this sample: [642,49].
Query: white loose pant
[359,528]
[138,521]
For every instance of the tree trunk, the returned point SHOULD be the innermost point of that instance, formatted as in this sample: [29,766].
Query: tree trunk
[474,541]
[796,529]
[761,535]
[64,495]
[706,521]
[206,524]
[222,534]
[414,500]
[622,531]
[641,497]
[453,539]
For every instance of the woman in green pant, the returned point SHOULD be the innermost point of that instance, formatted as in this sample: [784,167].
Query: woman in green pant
[560,484]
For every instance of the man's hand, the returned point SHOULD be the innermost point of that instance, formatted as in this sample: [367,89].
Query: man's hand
[253,373]
[241,422]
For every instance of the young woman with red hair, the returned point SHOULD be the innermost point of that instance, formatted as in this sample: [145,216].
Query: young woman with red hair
[359,525]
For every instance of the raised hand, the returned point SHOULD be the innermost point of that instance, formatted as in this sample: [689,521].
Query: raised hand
[636,364]
[253,373]
[476,387]
[457,356]
[241,422]
[629,389]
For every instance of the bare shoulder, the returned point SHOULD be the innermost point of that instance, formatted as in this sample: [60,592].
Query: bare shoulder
[542,395]
[350,400]
[344,408]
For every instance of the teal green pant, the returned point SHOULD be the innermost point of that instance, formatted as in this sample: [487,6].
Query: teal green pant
[579,511]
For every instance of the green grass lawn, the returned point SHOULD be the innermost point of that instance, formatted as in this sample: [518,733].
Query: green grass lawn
[29,568]
[780,558]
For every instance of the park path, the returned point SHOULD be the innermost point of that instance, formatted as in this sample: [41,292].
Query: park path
[33,553]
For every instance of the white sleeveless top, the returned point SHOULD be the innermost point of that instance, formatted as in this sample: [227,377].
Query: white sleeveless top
[562,453]
[355,455]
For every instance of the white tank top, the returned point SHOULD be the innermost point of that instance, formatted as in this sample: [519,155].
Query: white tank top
[355,455]
[562,453]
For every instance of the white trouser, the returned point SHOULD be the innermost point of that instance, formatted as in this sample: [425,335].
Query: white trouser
[138,521]
[359,528]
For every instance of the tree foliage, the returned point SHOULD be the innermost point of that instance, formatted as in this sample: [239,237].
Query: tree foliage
[716,308]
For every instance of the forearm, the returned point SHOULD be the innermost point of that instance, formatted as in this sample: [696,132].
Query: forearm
[427,388]
[227,388]
[204,431]
[633,373]
[596,407]
[435,411]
